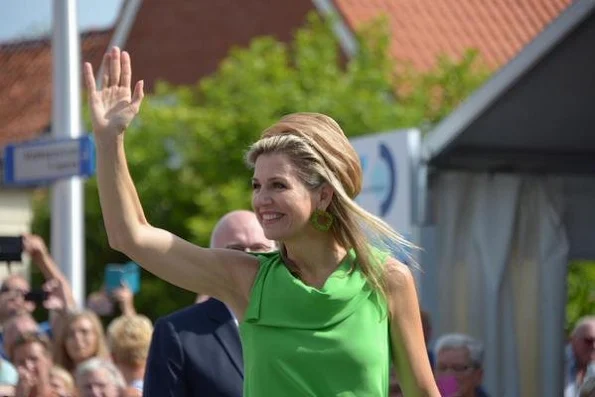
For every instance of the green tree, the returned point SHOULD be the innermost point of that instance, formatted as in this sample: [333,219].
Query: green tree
[581,292]
[186,148]
[426,98]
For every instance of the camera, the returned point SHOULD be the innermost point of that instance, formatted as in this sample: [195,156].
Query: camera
[11,248]
[36,296]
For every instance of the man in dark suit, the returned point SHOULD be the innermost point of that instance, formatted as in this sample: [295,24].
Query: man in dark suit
[196,351]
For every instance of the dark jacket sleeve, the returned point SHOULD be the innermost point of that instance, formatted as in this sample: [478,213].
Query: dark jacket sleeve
[164,375]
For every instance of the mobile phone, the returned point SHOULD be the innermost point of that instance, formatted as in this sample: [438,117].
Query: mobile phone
[11,248]
[37,296]
[447,385]
[116,275]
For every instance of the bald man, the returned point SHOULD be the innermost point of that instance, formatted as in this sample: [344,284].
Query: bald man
[196,351]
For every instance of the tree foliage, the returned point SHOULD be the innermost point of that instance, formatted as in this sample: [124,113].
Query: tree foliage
[185,150]
[581,292]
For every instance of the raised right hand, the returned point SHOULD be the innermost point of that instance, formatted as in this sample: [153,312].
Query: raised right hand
[114,106]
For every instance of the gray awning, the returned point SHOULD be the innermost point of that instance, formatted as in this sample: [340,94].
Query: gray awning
[537,114]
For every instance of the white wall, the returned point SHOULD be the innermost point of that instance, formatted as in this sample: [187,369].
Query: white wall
[16,215]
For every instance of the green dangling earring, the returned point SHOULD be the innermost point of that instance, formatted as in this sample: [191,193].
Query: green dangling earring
[322,220]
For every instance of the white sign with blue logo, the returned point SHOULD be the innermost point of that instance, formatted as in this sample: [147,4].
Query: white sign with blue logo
[44,161]
[389,163]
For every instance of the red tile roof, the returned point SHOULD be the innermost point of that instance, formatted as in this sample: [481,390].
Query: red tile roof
[181,41]
[26,84]
[423,29]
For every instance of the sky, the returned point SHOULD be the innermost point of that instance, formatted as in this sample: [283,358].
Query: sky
[29,18]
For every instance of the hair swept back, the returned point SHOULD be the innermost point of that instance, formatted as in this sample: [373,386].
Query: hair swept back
[321,153]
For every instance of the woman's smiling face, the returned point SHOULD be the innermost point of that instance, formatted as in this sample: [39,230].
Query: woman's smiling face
[281,201]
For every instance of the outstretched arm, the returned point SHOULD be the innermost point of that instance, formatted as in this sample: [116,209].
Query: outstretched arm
[38,251]
[410,355]
[61,297]
[218,273]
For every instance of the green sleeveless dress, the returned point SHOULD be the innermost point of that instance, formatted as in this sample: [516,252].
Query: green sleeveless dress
[299,341]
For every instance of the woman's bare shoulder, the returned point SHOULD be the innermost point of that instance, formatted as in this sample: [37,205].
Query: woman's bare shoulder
[398,276]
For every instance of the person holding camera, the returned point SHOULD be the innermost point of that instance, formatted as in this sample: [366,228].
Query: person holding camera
[120,301]
[16,295]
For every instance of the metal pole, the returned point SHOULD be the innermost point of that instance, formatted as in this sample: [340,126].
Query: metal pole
[67,231]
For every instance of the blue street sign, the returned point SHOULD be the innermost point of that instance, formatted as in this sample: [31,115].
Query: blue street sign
[44,161]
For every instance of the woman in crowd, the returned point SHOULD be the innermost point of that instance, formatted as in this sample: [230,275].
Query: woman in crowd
[32,358]
[80,338]
[99,377]
[129,339]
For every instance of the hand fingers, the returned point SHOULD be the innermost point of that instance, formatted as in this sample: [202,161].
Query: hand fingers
[33,244]
[115,67]
[50,285]
[26,242]
[89,78]
[138,95]
[53,303]
[126,78]
[105,66]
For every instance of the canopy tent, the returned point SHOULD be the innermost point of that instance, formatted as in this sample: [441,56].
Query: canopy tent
[510,194]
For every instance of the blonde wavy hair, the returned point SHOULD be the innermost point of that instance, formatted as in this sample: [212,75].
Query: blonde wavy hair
[59,372]
[129,338]
[61,356]
[321,153]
